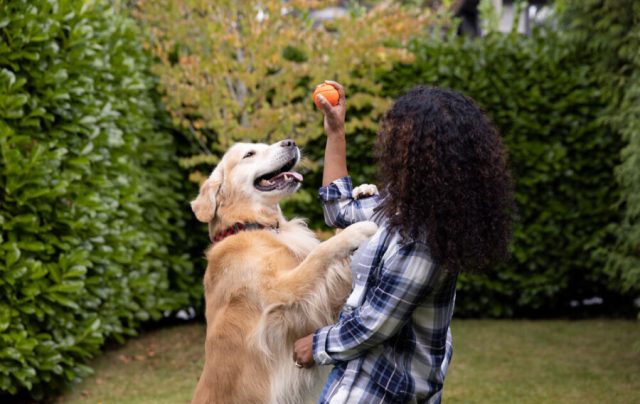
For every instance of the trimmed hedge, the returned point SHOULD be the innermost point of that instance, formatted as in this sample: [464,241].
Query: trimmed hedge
[91,204]
[613,48]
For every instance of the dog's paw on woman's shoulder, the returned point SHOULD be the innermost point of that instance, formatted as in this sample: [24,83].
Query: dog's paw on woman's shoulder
[359,232]
[364,191]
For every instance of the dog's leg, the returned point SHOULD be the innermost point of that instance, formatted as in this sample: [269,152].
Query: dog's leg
[309,295]
[292,286]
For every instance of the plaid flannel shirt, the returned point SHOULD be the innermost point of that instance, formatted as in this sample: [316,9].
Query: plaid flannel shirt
[392,342]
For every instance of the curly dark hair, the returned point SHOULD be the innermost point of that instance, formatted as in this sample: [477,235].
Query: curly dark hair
[443,171]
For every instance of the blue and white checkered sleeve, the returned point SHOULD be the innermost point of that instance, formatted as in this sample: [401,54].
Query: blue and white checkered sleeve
[340,209]
[404,280]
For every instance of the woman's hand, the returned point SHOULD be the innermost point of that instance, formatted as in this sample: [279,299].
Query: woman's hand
[303,351]
[334,115]
[335,152]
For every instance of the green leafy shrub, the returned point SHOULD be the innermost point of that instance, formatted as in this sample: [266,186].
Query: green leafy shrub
[91,205]
[613,48]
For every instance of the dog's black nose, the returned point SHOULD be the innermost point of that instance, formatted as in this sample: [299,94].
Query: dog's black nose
[288,143]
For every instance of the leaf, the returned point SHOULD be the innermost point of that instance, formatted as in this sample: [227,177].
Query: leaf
[7,76]
[67,287]
[32,245]
[64,301]
[12,254]
[75,271]
[5,317]
[87,149]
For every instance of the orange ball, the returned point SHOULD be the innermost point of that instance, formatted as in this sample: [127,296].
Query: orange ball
[329,92]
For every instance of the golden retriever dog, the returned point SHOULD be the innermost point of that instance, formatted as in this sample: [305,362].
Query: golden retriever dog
[269,281]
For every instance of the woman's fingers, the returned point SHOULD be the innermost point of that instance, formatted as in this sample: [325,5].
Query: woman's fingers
[331,115]
[303,351]
[324,104]
[334,115]
[342,99]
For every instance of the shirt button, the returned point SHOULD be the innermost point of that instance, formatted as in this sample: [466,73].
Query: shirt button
[359,276]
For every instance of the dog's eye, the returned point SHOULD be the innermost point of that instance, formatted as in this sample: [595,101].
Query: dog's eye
[249,154]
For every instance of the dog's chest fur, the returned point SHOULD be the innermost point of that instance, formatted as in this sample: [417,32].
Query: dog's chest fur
[243,259]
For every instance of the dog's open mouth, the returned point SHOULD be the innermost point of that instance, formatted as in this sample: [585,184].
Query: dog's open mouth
[280,178]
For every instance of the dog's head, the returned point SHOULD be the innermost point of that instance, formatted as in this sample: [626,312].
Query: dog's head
[249,176]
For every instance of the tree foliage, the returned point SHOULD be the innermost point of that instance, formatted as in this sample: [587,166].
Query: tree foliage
[245,70]
[91,210]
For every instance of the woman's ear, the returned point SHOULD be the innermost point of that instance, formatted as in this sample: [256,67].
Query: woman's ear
[205,205]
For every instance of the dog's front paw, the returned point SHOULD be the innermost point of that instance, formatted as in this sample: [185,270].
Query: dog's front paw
[364,191]
[357,233]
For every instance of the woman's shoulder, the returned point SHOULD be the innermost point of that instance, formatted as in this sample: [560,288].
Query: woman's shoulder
[397,243]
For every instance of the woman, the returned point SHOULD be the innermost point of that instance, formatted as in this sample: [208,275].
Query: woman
[445,206]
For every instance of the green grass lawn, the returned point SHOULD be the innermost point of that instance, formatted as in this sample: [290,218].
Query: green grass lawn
[596,361]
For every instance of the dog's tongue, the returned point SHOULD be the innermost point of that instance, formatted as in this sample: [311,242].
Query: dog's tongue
[288,175]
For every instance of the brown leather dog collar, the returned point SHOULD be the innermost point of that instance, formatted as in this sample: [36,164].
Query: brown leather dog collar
[237,228]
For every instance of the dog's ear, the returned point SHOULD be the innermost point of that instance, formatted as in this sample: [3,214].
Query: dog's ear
[206,204]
